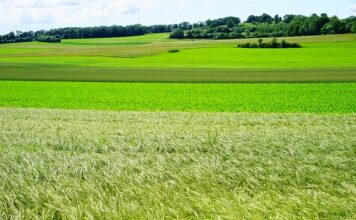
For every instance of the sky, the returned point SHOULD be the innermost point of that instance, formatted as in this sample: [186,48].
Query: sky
[27,15]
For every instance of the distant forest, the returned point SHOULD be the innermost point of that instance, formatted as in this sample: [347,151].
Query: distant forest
[222,28]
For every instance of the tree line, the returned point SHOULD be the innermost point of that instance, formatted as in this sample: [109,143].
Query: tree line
[222,28]
[267,26]
[87,32]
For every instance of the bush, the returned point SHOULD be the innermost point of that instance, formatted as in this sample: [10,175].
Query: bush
[273,44]
[177,34]
[285,44]
[189,35]
[221,36]
[173,51]
[48,39]
[17,40]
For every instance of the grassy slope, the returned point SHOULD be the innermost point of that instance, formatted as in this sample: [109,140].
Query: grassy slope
[75,164]
[118,59]
[338,98]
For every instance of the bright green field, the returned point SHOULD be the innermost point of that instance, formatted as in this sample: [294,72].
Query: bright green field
[317,98]
[322,58]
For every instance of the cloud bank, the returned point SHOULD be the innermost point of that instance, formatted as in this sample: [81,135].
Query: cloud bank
[45,14]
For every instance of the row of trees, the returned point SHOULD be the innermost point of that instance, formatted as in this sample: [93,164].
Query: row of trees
[268,26]
[222,28]
[87,32]
[49,39]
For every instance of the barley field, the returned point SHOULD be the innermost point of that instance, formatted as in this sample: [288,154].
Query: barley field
[73,164]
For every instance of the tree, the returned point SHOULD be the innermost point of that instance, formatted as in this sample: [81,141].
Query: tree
[230,24]
[235,20]
[222,29]
[316,23]
[48,39]
[234,35]
[337,25]
[288,18]
[265,18]
[177,34]
[185,26]
[11,36]
[353,29]
[189,35]
[295,26]
[220,36]
[252,19]
[277,19]
[328,29]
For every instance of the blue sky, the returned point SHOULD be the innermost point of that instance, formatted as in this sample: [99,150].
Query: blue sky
[45,14]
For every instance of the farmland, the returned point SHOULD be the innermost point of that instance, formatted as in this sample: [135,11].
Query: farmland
[120,128]
[272,97]
[146,59]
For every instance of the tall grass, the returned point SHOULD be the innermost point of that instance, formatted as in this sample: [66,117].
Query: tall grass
[58,164]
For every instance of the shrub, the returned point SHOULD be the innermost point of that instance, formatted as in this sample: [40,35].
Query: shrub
[17,40]
[173,51]
[177,34]
[48,39]
[285,44]
[221,36]
[273,44]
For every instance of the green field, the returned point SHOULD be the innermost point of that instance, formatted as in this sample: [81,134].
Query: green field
[313,98]
[313,55]
[119,128]
[146,58]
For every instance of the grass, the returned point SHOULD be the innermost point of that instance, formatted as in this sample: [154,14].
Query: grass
[317,98]
[85,164]
[339,54]
[111,58]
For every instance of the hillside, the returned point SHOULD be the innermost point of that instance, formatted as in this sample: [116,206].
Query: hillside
[123,59]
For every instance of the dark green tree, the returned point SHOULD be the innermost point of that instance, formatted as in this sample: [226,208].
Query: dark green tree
[353,29]
[252,19]
[177,34]
[230,24]
[328,29]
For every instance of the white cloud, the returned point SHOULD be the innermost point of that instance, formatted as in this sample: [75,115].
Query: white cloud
[353,9]
[72,11]
[46,14]
[37,19]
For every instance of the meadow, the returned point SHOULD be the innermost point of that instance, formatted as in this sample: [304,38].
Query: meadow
[147,59]
[120,128]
